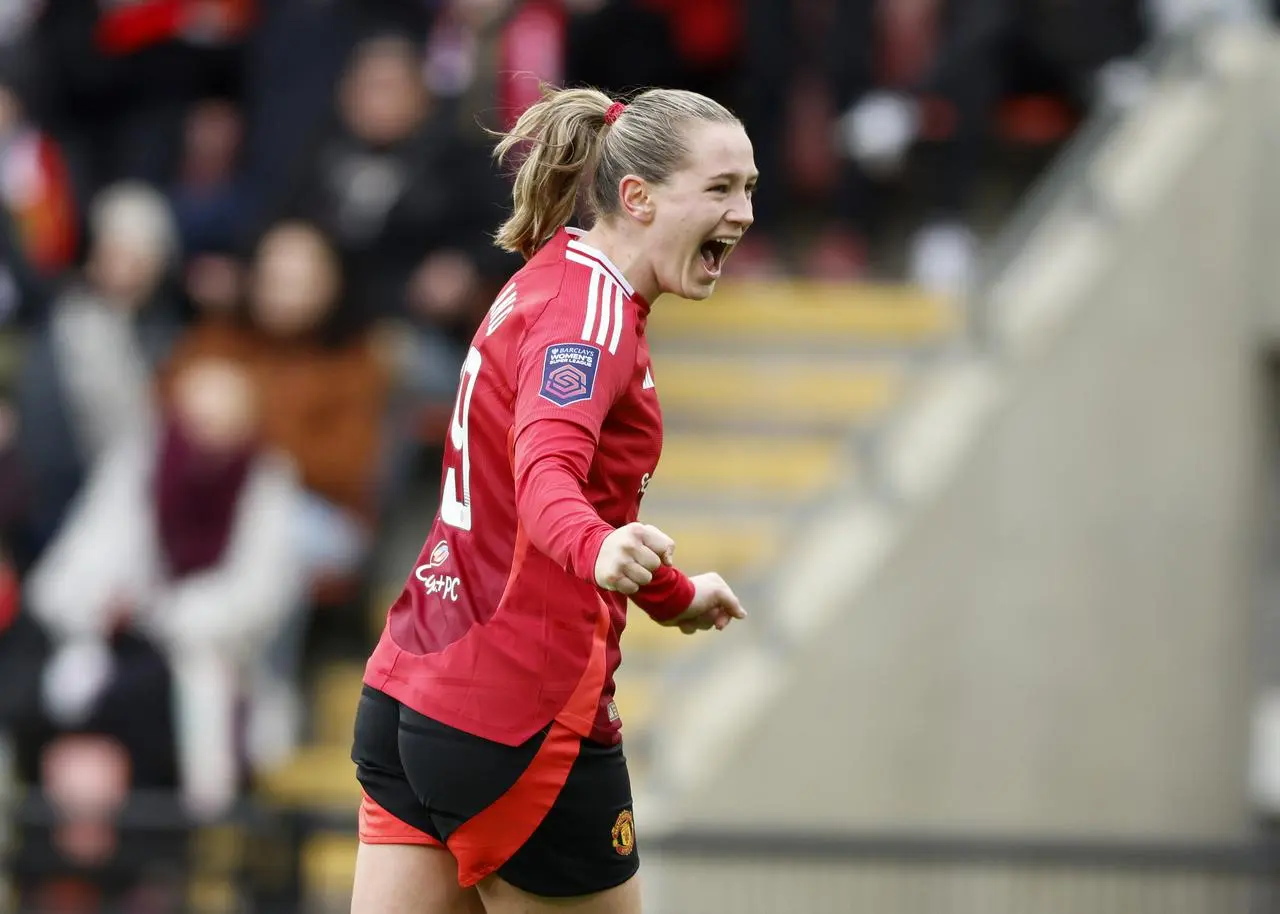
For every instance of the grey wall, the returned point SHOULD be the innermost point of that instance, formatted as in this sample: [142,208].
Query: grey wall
[1061,642]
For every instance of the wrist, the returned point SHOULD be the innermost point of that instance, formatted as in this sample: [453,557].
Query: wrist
[669,596]
[589,553]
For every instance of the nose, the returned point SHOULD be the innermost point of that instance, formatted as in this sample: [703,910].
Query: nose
[741,213]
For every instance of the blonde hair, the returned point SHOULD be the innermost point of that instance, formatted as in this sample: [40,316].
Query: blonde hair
[575,157]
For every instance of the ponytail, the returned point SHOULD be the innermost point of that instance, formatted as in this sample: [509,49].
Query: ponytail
[564,131]
[571,151]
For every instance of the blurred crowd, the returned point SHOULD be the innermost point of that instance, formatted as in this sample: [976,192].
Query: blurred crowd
[243,244]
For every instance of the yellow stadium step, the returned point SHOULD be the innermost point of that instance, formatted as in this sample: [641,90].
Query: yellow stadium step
[746,466]
[380,605]
[645,641]
[335,696]
[317,775]
[791,310]
[772,390]
[218,852]
[636,697]
[211,894]
[328,868]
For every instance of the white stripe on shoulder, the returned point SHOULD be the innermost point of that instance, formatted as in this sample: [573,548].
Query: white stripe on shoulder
[598,256]
[606,310]
[618,305]
[593,292]
[605,303]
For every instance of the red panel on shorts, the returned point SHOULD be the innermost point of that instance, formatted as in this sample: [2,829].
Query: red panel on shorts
[486,841]
[377,826]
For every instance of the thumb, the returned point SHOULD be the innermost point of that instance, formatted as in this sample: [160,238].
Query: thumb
[663,545]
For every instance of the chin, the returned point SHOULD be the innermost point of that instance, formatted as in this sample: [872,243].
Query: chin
[698,287]
[699,291]
[693,284]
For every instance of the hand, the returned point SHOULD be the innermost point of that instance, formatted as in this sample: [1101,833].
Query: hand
[714,605]
[630,555]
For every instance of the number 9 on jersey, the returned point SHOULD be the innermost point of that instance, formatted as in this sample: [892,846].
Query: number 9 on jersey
[455,505]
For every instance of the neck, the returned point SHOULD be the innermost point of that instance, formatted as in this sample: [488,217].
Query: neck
[627,256]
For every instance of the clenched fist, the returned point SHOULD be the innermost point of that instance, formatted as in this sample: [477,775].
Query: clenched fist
[630,555]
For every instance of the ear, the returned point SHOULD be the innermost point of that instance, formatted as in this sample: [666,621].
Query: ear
[636,200]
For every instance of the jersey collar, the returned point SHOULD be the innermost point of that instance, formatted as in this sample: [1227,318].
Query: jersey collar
[575,243]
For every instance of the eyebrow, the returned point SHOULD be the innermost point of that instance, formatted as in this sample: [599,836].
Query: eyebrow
[729,175]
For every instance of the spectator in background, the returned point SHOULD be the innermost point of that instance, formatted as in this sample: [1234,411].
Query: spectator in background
[82,861]
[595,28]
[364,183]
[21,43]
[12,490]
[323,403]
[86,374]
[492,55]
[124,73]
[209,198]
[409,199]
[39,232]
[1081,51]
[294,59]
[11,502]
[183,539]
[393,181]
[22,647]
[789,47]
[707,40]
[322,400]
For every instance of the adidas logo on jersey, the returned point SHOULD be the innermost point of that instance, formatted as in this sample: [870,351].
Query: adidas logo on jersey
[648,380]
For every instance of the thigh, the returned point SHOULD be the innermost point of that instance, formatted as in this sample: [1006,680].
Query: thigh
[409,879]
[401,865]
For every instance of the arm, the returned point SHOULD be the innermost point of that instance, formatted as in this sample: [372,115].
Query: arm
[555,441]
[553,458]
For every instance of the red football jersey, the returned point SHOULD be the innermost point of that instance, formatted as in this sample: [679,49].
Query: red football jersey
[555,435]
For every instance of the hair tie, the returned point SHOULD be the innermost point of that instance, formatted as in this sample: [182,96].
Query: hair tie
[612,113]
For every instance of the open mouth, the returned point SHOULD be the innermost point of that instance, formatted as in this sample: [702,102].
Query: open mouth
[714,253]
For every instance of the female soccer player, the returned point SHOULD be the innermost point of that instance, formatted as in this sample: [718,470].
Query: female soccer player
[487,741]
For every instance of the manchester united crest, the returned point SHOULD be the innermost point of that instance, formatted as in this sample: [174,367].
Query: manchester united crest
[624,833]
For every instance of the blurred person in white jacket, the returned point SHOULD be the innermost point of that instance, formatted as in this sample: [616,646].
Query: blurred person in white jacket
[182,534]
[86,372]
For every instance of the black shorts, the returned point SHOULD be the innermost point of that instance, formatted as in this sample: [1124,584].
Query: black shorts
[551,816]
